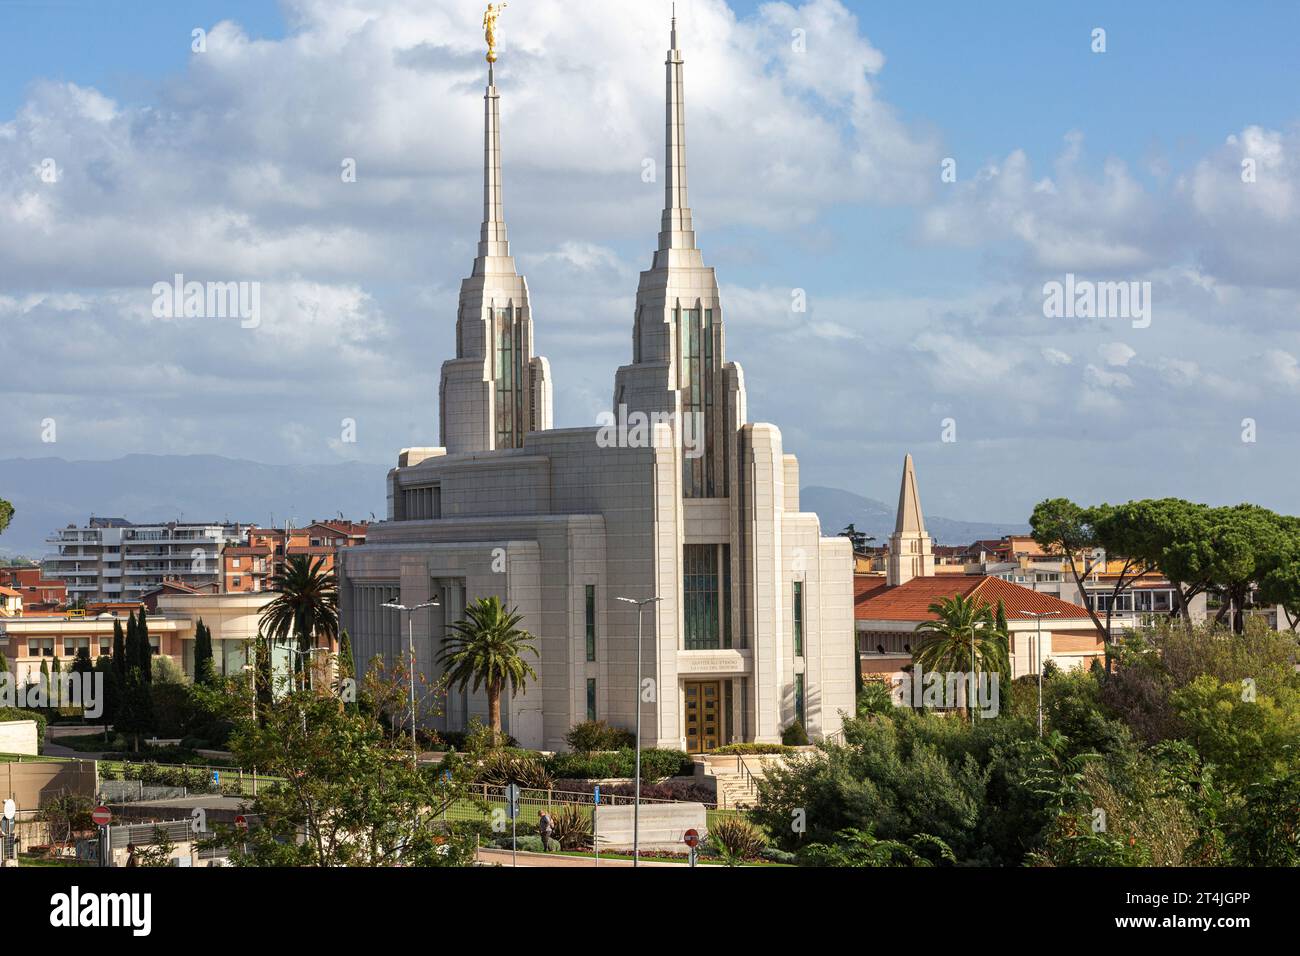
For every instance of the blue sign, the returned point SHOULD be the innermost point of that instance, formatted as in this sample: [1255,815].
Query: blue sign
[596,795]
[216,776]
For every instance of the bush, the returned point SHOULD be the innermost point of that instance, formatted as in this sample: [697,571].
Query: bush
[592,735]
[571,827]
[524,768]
[753,749]
[795,735]
[526,843]
[655,764]
[735,838]
[16,713]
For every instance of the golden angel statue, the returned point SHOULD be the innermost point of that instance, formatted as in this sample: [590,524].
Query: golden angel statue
[490,28]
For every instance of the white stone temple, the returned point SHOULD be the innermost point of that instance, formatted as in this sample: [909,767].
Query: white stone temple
[675,495]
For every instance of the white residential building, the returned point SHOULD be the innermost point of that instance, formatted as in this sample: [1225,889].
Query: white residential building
[111,559]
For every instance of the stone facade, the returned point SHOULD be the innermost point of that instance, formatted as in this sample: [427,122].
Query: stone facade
[675,495]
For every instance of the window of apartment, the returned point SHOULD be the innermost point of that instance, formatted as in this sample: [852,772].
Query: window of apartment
[155,645]
[105,647]
[798,619]
[591,621]
[73,645]
[235,581]
[800,710]
[591,698]
[234,562]
[40,647]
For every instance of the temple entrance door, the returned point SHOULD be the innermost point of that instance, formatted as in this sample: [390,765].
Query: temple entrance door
[703,715]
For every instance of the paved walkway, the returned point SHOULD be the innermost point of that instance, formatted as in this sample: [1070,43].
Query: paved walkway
[502,858]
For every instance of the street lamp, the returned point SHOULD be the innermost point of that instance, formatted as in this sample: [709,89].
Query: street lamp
[410,639]
[1038,659]
[636,805]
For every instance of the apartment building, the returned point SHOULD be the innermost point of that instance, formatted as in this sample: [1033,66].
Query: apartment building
[112,559]
[248,568]
[39,593]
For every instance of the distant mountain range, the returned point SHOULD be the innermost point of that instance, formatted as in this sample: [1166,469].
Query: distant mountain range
[837,509]
[50,493]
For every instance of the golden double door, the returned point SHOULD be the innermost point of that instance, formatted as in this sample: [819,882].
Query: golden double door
[703,715]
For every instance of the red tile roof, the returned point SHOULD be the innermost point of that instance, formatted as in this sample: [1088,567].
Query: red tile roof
[873,601]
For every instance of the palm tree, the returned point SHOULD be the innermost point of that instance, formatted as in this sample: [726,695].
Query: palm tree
[308,606]
[965,637]
[485,649]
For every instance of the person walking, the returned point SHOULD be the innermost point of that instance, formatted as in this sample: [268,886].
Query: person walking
[544,826]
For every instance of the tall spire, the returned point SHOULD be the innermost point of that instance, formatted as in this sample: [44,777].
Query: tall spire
[677,230]
[492,236]
[911,552]
[909,520]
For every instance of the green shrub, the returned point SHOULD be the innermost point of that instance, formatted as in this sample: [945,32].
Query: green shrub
[524,768]
[571,827]
[795,735]
[655,764]
[592,735]
[753,749]
[17,713]
[527,843]
[736,839]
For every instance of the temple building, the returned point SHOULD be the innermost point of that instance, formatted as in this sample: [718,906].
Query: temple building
[675,496]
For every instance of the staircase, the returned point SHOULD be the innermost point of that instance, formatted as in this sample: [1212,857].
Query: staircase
[736,778]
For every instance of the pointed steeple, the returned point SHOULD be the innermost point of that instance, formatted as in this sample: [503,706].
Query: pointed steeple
[911,552]
[677,230]
[497,389]
[909,517]
[492,236]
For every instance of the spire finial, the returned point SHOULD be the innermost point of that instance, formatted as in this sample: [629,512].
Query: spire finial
[676,231]
[490,28]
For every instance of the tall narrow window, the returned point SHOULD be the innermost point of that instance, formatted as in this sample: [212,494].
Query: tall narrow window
[591,698]
[591,622]
[798,619]
[508,329]
[800,711]
[700,596]
[695,379]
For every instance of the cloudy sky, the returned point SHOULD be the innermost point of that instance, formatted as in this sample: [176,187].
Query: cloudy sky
[818,135]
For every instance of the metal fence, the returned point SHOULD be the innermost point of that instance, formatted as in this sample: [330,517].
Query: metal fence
[487,802]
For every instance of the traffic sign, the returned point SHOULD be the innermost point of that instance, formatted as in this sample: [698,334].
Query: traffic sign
[595,797]
[216,776]
[241,822]
[11,809]
[101,815]
[512,799]
[691,838]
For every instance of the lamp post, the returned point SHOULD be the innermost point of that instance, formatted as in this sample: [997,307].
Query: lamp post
[410,643]
[636,805]
[1038,659]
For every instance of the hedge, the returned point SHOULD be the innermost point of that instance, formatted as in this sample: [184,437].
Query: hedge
[17,713]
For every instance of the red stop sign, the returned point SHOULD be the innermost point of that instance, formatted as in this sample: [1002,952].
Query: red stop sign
[101,815]
[241,822]
[691,838]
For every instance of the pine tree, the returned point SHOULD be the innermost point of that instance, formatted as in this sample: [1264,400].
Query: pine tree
[145,650]
[204,670]
[4,664]
[119,651]
[131,653]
